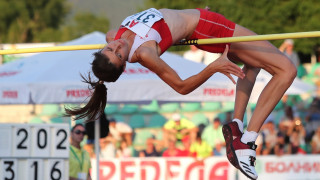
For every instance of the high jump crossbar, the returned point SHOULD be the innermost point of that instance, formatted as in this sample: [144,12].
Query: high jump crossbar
[295,35]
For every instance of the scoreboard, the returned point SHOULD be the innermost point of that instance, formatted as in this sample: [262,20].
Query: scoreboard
[34,151]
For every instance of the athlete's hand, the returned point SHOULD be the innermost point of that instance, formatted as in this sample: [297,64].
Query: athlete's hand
[226,67]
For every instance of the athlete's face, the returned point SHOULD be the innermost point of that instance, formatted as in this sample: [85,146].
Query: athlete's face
[117,51]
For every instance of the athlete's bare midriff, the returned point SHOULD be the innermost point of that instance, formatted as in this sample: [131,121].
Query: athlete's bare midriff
[181,23]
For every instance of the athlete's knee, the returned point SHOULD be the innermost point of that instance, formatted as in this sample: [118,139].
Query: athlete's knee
[289,71]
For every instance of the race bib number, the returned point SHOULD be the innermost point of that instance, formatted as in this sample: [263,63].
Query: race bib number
[142,22]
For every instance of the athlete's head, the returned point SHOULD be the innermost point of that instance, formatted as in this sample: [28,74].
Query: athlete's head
[107,66]
[110,62]
[104,68]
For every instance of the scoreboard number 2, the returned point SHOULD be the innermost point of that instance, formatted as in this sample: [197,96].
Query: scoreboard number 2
[24,134]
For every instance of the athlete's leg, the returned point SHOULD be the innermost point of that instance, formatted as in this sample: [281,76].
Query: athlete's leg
[255,55]
[243,90]
[232,130]
[260,54]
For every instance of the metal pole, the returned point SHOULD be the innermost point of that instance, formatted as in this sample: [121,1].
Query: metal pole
[97,145]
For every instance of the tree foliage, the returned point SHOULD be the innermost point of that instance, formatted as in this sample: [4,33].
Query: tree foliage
[44,21]
[262,16]
[22,21]
[86,23]
[81,24]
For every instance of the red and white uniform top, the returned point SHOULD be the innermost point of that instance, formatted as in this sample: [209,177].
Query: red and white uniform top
[148,25]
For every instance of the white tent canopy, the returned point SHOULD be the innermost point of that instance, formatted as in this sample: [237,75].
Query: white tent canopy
[54,77]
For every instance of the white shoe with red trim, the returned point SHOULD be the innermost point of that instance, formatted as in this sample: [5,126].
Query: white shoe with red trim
[244,157]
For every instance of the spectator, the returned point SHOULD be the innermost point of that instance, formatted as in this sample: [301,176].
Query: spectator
[313,75]
[120,130]
[150,150]
[287,47]
[172,150]
[313,117]
[107,148]
[194,54]
[281,147]
[296,142]
[79,159]
[288,116]
[213,135]
[178,127]
[270,136]
[185,150]
[297,137]
[287,122]
[124,150]
[315,142]
[200,149]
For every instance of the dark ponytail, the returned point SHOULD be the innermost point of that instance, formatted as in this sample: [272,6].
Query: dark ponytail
[95,107]
[105,71]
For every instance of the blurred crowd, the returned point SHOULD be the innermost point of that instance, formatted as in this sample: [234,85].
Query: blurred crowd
[295,133]
[180,138]
[291,132]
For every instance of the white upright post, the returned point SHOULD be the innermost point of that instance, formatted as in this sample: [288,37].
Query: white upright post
[96,144]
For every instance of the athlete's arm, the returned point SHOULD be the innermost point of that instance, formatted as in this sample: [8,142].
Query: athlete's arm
[149,58]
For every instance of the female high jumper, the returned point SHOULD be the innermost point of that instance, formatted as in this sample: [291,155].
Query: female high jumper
[144,36]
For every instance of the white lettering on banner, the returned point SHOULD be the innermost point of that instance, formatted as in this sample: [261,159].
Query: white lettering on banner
[140,23]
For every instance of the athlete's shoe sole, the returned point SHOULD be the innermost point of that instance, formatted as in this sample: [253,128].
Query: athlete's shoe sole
[231,155]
